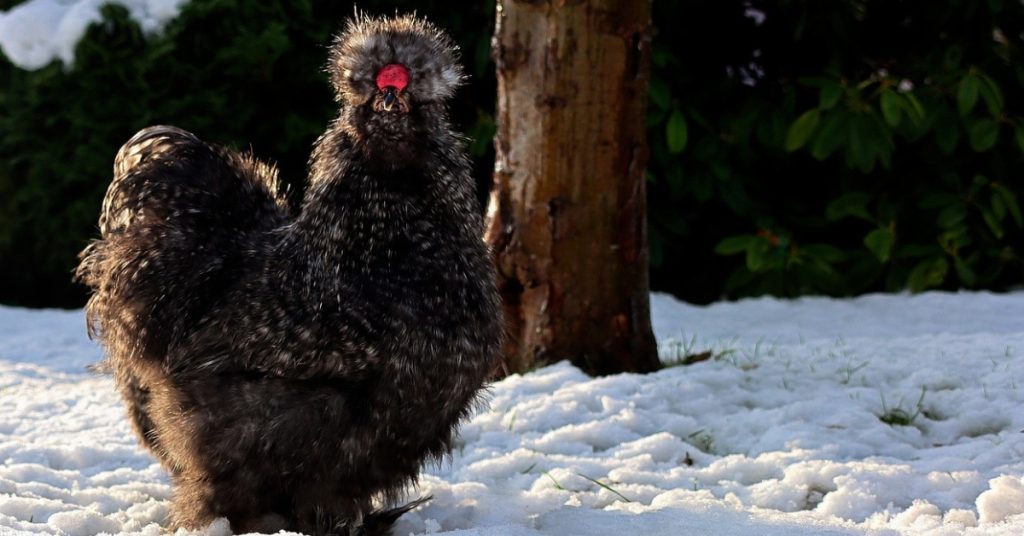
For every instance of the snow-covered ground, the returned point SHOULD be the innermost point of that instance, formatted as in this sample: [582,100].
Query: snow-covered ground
[37,32]
[778,433]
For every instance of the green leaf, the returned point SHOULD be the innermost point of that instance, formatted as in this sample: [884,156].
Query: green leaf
[697,117]
[891,103]
[953,240]
[967,94]
[829,95]
[739,279]
[801,129]
[928,273]
[983,134]
[849,204]
[880,243]
[1019,130]
[879,139]
[998,207]
[913,107]
[866,83]
[759,256]
[655,116]
[951,216]
[992,96]
[818,274]
[660,93]
[859,151]
[1009,200]
[831,136]
[965,272]
[991,221]
[676,133]
[735,244]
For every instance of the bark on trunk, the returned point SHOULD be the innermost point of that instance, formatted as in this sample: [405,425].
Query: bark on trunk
[567,213]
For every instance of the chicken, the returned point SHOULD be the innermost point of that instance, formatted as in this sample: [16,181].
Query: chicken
[291,371]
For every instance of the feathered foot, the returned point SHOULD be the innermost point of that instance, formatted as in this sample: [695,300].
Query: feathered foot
[379,523]
[373,523]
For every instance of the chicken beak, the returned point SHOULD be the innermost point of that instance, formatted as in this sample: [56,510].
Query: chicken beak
[390,98]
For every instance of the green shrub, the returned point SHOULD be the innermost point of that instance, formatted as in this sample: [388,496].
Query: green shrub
[836,147]
[236,72]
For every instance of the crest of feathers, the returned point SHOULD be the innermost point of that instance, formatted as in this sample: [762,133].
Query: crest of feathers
[369,43]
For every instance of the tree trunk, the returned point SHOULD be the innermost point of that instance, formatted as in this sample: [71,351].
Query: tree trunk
[567,213]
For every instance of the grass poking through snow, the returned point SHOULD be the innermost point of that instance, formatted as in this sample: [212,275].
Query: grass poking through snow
[606,486]
[898,416]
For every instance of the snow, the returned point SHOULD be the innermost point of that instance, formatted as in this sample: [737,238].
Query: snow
[37,32]
[777,433]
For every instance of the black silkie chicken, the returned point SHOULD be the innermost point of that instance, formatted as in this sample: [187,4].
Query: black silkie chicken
[290,369]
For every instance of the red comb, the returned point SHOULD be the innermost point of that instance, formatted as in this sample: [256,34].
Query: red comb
[394,75]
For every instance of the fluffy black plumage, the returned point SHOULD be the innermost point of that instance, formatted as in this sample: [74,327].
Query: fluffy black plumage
[291,369]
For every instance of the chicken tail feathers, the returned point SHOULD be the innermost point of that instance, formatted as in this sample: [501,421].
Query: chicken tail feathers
[173,225]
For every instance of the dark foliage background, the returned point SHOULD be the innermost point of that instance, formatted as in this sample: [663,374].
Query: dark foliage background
[836,146]
[797,146]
